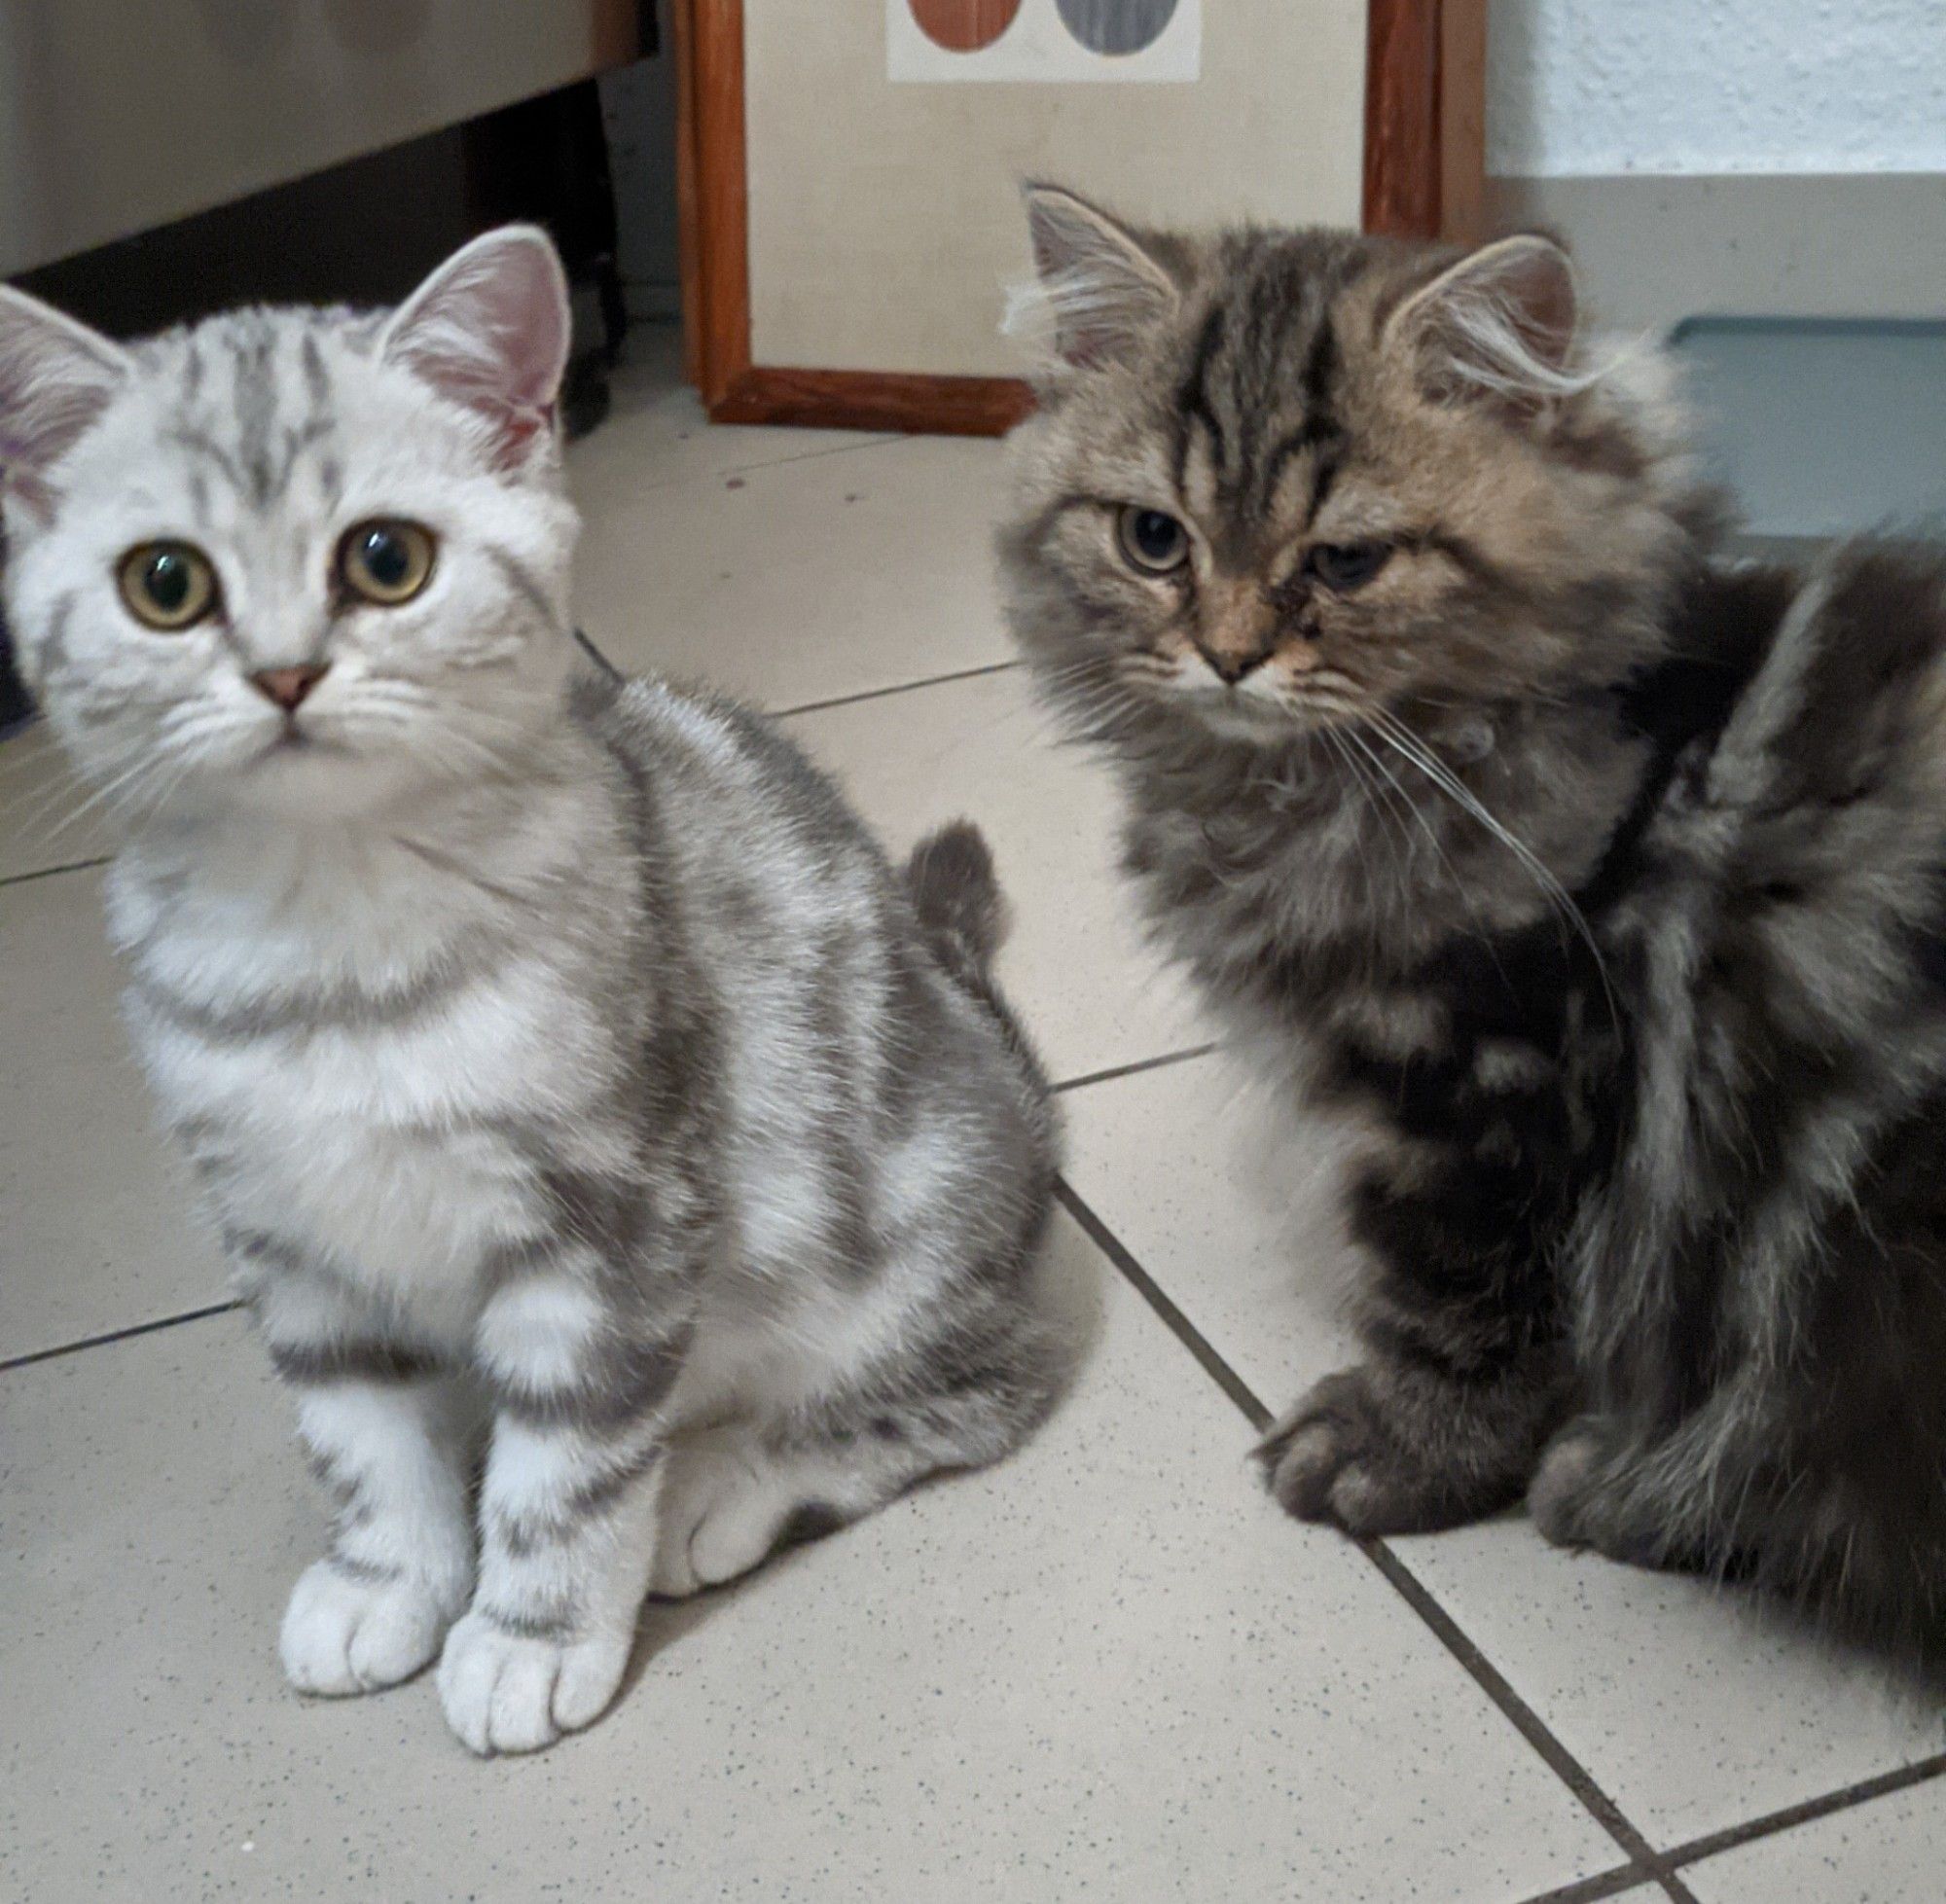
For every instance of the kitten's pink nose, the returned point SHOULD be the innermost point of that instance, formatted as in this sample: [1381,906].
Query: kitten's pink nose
[287,686]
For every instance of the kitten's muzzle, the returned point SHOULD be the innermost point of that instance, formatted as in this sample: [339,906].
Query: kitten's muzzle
[1230,666]
[1238,629]
[287,687]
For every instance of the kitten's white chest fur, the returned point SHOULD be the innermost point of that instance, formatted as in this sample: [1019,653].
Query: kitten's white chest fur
[379,1134]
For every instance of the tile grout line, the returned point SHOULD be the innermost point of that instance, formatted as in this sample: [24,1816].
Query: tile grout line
[160,1323]
[735,474]
[1443,1628]
[1603,1884]
[794,456]
[1179,1325]
[897,687]
[586,643]
[1809,1811]
[1135,1070]
[698,479]
[49,872]
[1524,1719]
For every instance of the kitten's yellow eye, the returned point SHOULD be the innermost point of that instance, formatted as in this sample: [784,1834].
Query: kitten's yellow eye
[168,585]
[1153,542]
[386,561]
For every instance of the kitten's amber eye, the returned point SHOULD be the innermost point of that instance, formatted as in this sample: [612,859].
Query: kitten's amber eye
[386,561]
[1152,541]
[1342,567]
[168,585]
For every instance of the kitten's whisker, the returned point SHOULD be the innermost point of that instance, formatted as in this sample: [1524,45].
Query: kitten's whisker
[1400,847]
[1460,885]
[23,764]
[154,800]
[106,794]
[71,782]
[1357,739]
[1374,795]
[1410,747]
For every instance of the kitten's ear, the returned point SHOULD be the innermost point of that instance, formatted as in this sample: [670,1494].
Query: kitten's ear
[1501,324]
[1098,285]
[490,329]
[55,377]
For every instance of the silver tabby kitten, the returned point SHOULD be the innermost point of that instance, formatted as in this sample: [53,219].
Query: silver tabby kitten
[1601,881]
[591,1117]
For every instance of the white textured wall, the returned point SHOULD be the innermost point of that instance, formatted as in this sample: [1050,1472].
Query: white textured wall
[1600,86]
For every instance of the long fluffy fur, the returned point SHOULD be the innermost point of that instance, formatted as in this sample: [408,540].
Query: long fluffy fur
[1599,878]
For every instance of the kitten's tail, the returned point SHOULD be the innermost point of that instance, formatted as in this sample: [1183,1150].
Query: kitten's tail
[964,915]
[957,895]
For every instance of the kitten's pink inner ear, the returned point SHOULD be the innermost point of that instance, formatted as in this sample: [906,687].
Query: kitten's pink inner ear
[56,378]
[1103,288]
[490,329]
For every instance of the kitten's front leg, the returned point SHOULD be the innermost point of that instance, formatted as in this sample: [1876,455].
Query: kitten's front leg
[567,1506]
[1464,1379]
[383,1429]
[1394,1447]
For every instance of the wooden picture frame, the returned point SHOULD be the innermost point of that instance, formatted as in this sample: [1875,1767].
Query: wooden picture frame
[1424,172]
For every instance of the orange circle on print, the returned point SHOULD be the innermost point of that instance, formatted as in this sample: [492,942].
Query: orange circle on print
[964,25]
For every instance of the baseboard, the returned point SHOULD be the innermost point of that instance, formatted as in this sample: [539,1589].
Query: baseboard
[875,400]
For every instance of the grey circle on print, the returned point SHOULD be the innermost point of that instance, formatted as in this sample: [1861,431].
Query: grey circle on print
[1116,25]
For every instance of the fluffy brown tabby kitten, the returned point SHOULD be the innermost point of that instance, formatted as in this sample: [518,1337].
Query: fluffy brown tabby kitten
[1599,877]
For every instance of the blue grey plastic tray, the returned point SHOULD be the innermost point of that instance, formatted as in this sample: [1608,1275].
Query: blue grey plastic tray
[1822,425]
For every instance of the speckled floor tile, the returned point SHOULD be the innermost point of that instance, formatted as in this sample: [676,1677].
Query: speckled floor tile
[96,1232]
[1892,1850]
[1088,990]
[1694,1710]
[1196,1169]
[803,581]
[1688,1709]
[1105,1670]
[656,433]
[46,819]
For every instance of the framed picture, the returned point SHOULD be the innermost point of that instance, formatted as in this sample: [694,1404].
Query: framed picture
[849,173]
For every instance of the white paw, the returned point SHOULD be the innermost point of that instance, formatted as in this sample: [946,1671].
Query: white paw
[722,1513]
[505,1693]
[346,1635]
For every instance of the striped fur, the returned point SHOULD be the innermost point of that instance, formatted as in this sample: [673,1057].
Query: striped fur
[1597,879]
[586,1106]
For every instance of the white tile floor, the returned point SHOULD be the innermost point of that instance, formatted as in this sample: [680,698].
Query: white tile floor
[1109,1668]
